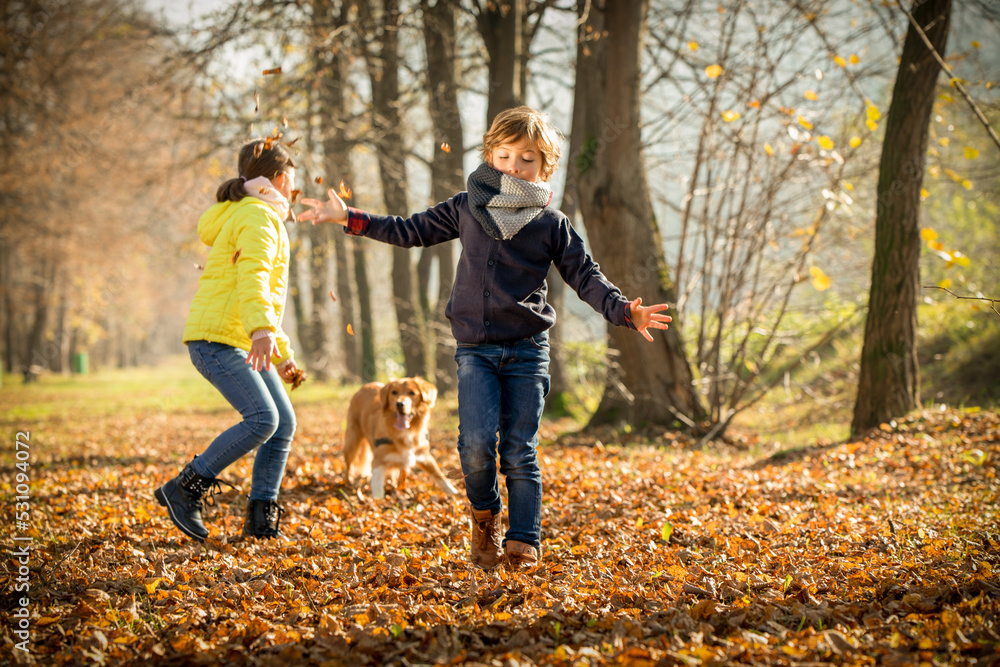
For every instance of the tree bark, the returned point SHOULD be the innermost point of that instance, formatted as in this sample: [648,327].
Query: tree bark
[383,69]
[647,382]
[447,171]
[501,25]
[889,380]
[332,65]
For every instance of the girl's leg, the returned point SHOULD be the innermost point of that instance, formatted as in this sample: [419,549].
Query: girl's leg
[269,463]
[524,385]
[225,367]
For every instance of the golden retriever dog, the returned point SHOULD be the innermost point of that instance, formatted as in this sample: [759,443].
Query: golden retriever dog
[387,433]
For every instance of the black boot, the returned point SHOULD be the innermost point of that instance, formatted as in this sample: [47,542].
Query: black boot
[262,519]
[183,497]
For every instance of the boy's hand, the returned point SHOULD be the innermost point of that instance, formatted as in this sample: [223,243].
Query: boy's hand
[333,210]
[648,317]
[261,350]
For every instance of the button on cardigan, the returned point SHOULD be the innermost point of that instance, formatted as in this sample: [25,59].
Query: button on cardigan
[500,289]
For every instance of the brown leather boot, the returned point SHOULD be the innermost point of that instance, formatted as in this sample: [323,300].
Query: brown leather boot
[486,538]
[521,556]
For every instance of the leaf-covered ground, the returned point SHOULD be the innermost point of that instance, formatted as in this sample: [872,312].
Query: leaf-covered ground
[883,550]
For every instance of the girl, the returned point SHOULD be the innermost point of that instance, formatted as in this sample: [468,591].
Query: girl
[500,318]
[234,337]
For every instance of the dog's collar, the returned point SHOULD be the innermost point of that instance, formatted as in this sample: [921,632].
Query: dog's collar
[383,441]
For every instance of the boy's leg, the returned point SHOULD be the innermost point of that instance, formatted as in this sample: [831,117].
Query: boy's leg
[524,385]
[478,414]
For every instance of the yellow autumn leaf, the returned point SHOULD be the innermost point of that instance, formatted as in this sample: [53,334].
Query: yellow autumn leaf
[768,149]
[820,280]
[936,246]
[946,283]
[975,44]
[350,329]
[967,184]
[961,259]
[151,585]
[944,141]
[693,46]
[934,170]
[713,71]
[924,194]
[825,142]
[971,153]
[848,186]
[730,115]
[872,125]
[804,123]
[811,95]
[872,112]
[854,60]
[928,233]
[502,616]
[840,61]
[855,142]
[945,97]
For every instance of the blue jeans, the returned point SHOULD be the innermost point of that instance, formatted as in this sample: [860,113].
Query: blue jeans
[501,393]
[268,419]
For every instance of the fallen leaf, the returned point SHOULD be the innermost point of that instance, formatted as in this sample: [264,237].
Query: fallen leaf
[345,192]
[276,70]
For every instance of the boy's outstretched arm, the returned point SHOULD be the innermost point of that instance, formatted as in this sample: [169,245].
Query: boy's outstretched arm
[332,210]
[648,317]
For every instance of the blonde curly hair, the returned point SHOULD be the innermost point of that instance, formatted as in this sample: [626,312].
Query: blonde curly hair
[513,125]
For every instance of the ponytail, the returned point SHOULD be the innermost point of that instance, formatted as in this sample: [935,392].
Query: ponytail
[259,157]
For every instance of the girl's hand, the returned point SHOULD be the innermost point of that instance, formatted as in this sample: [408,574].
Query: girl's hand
[648,317]
[333,210]
[260,353]
[289,371]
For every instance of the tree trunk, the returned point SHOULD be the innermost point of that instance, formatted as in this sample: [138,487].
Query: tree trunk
[447,172]
[383,70]
[889,381]
[365,301]
[332,65]
[647,382]
[501,25]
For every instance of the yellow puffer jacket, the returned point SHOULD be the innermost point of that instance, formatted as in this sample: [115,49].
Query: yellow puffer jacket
[245,281]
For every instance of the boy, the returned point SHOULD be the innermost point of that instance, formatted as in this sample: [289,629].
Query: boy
[500,318]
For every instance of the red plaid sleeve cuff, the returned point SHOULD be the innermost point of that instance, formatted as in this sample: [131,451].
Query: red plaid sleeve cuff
[357,221]
[628,316]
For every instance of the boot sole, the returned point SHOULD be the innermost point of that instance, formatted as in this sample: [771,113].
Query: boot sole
[165,502]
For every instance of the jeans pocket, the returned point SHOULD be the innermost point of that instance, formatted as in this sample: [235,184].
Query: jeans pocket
[540,340]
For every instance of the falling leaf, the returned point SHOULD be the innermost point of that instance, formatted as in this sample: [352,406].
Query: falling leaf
[924,194]
[693,46]
[276,70]
[872,112]
[854,142]
[345,192]
[825,142]
[971,153]
[811,95]
[768,149]
[804,123]
[256,101]
[975,44]
[713,71]
[284,122]
[295,195]
[854,60]
[848,186]
[446,147]
[872,125]
[945,284]
[236,255]
[333,296]
[730,115]
[318,180]
[292,142]
[755,104]
[840,61]
[350,329]
[820,280]
[928,234]
[944,141]
[967,184]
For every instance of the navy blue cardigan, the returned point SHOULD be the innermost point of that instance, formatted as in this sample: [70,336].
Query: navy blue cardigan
[499,291]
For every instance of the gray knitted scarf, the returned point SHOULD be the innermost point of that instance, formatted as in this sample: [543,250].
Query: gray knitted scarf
[502,204]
